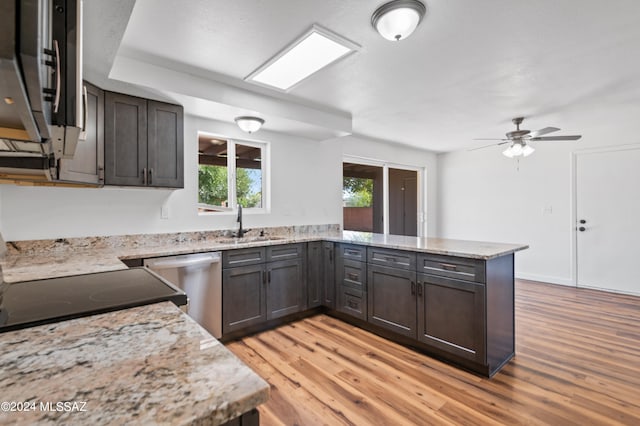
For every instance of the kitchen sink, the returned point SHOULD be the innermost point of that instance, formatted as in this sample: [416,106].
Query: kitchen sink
[248,239]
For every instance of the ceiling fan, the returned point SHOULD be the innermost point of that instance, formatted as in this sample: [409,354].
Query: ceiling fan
[519,138]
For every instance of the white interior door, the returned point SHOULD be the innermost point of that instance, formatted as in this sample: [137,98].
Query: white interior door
[608,216]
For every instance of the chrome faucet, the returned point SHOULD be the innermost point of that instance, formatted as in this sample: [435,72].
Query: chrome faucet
[241,231]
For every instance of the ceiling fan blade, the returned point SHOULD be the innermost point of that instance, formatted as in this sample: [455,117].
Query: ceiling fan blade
[544,131]
[487,146]
[557,138]
[489,139]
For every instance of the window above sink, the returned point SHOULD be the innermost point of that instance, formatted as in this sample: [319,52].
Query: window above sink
[231,172]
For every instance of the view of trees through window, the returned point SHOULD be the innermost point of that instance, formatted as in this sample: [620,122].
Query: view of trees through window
[357,192]
[213,174]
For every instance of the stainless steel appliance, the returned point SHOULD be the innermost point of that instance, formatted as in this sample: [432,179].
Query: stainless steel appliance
[200,276]
[32,303]
[41,97]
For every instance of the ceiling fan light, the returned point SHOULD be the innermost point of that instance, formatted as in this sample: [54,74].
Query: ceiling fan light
[398,19]
[516,149]
[508,153]
[527,150]
[249,124]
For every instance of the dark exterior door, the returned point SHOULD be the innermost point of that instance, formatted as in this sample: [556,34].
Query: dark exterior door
[243,297]
[451,316]
[315,274]
[285,280]
[328,275]
[403,202]
[125,135]
[165,155]
[392,299]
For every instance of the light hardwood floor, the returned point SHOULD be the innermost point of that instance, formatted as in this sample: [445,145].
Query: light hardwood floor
[577,362]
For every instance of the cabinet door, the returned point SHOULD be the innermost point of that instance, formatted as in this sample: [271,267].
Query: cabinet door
[87,164]
[165,155]
[328,275]
[243,297]
[315,274]
[125,139]
[392,299]
[285,281]
[451,316]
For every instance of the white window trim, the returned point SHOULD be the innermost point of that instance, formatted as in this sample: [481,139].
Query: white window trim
[231,179]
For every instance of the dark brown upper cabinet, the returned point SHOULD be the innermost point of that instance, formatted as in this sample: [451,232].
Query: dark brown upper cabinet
[87,164]
[143,142]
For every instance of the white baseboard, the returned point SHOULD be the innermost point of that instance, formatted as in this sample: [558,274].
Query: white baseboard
[546,279]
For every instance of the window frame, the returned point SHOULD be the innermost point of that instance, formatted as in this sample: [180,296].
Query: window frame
[265,149]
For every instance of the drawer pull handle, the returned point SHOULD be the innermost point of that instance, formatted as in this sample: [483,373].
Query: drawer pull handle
[390,259]
[413,288]
[353,252]
[449,267]
[419,289]
[352,276]
[352,304]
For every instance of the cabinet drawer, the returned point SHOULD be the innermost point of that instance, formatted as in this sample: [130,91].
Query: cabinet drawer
[242,257]
[353,252]
[353,302]
[284,252]
[452,267]
[353,274]
[392,258]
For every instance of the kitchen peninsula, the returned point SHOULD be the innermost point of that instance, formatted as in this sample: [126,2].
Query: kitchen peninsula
[369,271]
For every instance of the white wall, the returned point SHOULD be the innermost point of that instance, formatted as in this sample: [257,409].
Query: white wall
[305,183]
[399,154]
[483,196]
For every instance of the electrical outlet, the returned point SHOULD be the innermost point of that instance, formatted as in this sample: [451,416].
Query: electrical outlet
[547,210]
[164,212]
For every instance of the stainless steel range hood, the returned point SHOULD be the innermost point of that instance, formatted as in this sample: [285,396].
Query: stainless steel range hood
[41,108]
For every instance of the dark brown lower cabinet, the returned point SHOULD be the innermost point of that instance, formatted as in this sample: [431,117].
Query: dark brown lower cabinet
[328,275]
[260,291]
[285,293]
[315,273]
[451,316]
[392,297]
[243,297]
[352,301]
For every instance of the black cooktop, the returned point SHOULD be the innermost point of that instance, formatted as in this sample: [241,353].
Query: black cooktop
[32,303]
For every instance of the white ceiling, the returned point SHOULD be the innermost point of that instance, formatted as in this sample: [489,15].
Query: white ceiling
[467,70]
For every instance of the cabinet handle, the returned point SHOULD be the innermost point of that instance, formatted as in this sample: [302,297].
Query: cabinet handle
[264,277]
[56,102]
[390,259]
[449,266]
[352,252]
[330,256]
[352,304]
[413,288]
[419,289]
[352,276]
[269,276]
[144,176]
[150,176]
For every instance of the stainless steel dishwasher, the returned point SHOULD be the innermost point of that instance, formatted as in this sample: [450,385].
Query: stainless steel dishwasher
[200,276]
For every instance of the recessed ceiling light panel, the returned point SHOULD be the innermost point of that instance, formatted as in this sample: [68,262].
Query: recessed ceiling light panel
[315,50]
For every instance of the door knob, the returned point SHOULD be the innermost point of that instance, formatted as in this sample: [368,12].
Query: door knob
[583,221]
[582,229]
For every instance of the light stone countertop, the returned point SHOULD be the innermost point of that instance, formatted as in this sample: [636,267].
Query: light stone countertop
[51,259]
[146,365]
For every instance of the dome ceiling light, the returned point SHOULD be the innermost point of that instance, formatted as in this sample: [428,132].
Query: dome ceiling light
[249,124]
[398,19]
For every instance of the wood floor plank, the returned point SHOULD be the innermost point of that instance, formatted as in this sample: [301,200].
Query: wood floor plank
[577,362]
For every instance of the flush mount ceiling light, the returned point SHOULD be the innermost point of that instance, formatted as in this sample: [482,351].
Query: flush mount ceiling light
[249,124]
[397,19]
[315,50]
